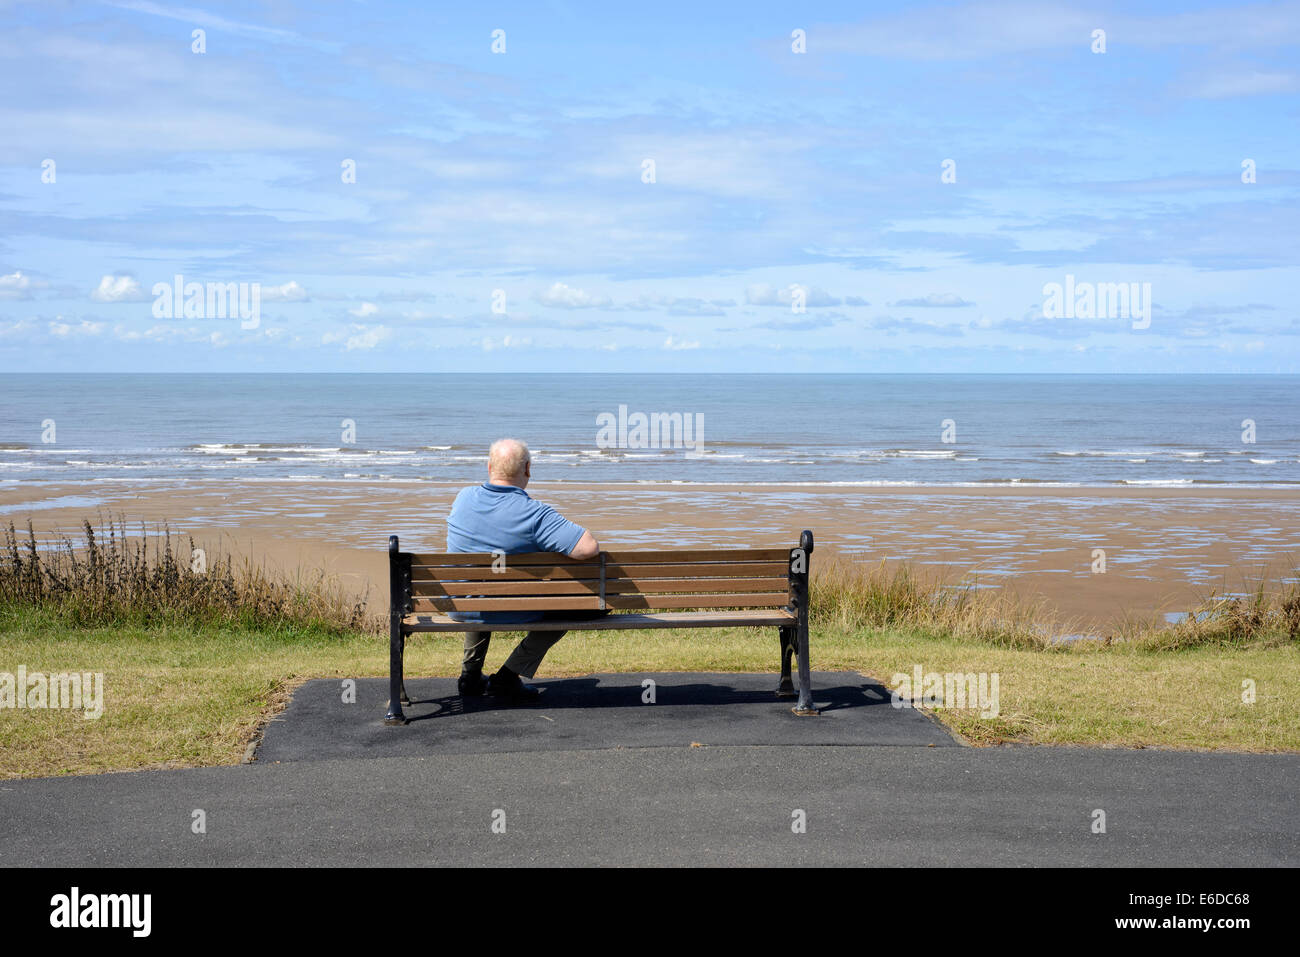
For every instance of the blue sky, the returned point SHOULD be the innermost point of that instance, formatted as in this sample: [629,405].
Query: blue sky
[520,175]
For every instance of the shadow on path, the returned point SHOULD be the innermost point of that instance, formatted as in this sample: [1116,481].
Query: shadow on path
[592,712]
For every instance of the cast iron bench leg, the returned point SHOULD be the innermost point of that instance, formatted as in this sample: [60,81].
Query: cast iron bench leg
[799,592]
[405,698]
[786,687]
[805,705]
[399,600]
[396,686]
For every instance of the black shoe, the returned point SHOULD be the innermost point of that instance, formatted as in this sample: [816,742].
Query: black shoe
[471,684]
[506,684]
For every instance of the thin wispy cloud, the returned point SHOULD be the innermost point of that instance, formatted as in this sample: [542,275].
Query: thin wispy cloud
[562,296]
[202,18]
[935,300]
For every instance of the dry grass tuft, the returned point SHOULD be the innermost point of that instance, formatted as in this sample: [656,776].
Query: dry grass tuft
[113,578]
[852,596]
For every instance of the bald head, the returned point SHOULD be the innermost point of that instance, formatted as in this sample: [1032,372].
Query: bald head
[508,463]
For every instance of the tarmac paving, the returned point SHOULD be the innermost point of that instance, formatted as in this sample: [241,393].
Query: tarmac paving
[590,713]
[715,772]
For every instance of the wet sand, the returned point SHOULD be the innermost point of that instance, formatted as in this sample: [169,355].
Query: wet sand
[1164,547]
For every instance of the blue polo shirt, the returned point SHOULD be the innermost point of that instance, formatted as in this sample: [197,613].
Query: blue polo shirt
[492,518]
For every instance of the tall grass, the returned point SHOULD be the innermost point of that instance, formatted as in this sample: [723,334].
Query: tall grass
[111,577]
[854,596]
[1267,616]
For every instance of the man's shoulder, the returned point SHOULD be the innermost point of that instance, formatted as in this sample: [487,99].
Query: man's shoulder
[471,491]
[496,496]
[512,495]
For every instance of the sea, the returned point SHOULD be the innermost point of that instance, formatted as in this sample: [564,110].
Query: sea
[850,430]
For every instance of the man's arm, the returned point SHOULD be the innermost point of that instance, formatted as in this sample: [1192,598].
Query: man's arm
[587,546]
[553,532]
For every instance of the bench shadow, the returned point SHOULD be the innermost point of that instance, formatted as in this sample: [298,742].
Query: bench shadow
[589,694]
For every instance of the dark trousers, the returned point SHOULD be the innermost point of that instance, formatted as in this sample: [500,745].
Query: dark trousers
[528,654]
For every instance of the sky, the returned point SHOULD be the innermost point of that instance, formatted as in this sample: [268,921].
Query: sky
[666,187]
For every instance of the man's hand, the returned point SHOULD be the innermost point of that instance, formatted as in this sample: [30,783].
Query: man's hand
[587,547]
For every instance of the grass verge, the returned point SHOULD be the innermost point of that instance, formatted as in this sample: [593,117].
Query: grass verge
[179,696]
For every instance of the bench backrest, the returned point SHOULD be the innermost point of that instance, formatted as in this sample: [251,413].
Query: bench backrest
[619,580]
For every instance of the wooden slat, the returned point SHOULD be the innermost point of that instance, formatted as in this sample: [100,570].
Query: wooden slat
[557,603]
[507,588]
[699,556]
[621,586]
[578,602]
[440,559]
[660,586]
[523,573]
[633,622]
[729,570]
[770,599]
[612,572]
[663,557]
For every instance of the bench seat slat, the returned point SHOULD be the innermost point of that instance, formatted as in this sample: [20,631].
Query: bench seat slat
[703,586]
[728,570]
[699,556]
[578,602]
[681,619]
[444,559]
[612,572]
[617,586]
[517,573]
[663,557]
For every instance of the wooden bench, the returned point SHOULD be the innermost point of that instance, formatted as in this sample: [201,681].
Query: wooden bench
[723,588]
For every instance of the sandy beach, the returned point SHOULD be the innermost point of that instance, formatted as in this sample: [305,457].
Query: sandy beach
[1164,547]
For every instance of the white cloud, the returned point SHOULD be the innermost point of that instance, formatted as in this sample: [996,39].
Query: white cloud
[162,332]
[673,344]
[680,305]
[1006,27]
[764,295]
[934,299]
[1221,86]
[507,342]
[16,286]
[289,292]
[367,339]
[721,162]
[364,310]
[21,331]
[358,338]
[203,18]
[118,289]
[66,330]
[566,297]
[424,315]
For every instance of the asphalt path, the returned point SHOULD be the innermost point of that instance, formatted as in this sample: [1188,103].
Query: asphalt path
[692,788]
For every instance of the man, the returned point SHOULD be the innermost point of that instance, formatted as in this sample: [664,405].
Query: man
[499,516]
